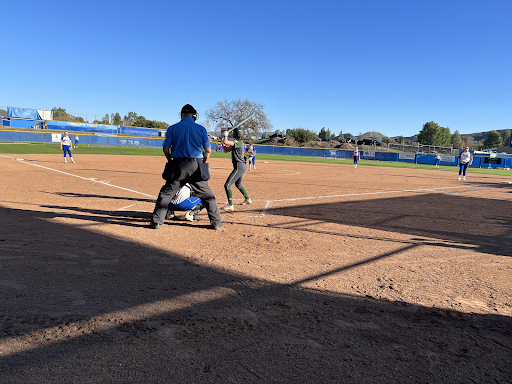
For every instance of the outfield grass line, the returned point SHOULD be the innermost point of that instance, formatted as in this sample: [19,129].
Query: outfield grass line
[53,148]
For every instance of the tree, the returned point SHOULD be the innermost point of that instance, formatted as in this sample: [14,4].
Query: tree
[115,118]
[387,140]
[433,134]
[506,138]
[341,135]
[130,119]
[301,135]
[324,134]
[444,137]
[456,140]
[205,124]
[428,134]
[226,114]
[493,140]
[60,114]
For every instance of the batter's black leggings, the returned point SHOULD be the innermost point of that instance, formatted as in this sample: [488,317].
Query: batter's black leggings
[236,176]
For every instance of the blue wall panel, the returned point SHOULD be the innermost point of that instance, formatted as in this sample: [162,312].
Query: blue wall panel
[82,127]
[383,156]
[425,159]
[35,137]
[137,131]
[24,123]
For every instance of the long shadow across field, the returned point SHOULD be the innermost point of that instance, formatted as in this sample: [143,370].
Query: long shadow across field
[484,223]
[79,306]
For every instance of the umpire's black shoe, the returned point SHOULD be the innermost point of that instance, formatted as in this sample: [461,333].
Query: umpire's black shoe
[155,225]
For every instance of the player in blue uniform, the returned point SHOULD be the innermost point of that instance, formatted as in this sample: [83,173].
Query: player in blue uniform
[356,157]
[65,145]
[250,153]
[438,160]
[185,201]
[465,159]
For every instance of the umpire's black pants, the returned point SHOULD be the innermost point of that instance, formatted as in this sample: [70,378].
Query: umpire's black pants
[186,171]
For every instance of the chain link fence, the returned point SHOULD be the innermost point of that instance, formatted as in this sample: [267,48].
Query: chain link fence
[420,148]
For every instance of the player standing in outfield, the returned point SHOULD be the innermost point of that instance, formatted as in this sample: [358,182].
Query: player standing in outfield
[65,145]
[236,147]
[76,141]
[356,157]
[438,160]
[253,159]
[465,159]
[185,201]
[251,154]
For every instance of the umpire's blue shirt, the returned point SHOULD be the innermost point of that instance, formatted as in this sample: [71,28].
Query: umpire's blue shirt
[186,139]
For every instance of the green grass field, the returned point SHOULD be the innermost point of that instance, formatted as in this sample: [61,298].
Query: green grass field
[36,148]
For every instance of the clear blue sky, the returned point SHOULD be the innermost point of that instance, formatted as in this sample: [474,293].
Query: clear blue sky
[356,66]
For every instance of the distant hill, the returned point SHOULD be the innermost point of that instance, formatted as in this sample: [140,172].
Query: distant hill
[367,135]
[481,135]
[3,113]
[477,136]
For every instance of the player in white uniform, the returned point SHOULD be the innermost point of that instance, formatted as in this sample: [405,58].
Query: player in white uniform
[438,160]
[251,154]
[465,159]
[356,157]
[65,145]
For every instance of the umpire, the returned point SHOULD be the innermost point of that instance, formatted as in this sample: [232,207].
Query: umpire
[186,146]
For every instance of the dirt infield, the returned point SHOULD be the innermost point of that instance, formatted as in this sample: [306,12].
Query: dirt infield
[332,275]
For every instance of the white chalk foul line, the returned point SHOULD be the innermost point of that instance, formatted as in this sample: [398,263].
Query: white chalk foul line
[381,193]
[81,177]
[436,190]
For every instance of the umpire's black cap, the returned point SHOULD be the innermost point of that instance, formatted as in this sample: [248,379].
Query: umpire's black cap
[187,108]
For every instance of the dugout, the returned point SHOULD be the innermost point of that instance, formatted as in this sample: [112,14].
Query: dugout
[492,160]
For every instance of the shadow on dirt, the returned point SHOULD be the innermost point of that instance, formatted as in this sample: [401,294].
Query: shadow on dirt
[462,219]
[78,306]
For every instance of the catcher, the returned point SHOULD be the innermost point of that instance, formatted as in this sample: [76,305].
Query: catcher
[184,200]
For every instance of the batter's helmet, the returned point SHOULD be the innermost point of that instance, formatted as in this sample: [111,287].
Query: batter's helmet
[237,133]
